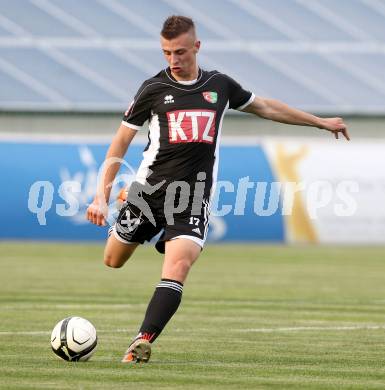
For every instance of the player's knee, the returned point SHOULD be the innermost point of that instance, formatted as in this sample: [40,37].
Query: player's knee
[113,261]
[116,254]
[183,265]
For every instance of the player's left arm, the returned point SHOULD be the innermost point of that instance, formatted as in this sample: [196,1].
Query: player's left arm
[278,111]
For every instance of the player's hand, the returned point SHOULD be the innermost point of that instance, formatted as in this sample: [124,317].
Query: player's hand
[97,213]
[336,126]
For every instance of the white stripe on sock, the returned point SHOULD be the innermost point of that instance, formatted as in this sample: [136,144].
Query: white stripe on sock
[162,284]
[172,285]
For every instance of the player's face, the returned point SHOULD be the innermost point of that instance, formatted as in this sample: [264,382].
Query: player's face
[180,53]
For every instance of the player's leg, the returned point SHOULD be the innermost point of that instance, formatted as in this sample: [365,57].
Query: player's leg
[117,252]
[180,255]
[130,230]
[181,242]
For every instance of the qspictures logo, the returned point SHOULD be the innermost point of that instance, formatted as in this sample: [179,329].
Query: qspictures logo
[267,197]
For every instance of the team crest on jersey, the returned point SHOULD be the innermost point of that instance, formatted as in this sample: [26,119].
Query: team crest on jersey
[211,97]
[130,222]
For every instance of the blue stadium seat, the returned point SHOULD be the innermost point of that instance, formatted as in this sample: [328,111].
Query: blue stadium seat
[124,76]
[5,33]
[339,83]
[58,77]
[310,25]
[241,24]
[361,16]
[34,20]
[264,80]
[324,56]
[101,19]
[15,92]
[370,63]
[155,12]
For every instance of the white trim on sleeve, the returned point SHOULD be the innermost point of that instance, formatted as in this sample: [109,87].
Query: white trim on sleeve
[247,103]
[131,126]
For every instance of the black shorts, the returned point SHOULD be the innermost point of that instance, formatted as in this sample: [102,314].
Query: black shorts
[138,223]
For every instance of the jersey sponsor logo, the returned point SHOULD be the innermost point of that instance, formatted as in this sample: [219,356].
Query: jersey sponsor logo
[211,97]
[168,99]
[191,126]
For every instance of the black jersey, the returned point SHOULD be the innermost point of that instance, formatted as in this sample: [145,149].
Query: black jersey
[185,121]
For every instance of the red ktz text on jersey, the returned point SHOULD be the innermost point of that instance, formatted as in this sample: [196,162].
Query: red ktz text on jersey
[191,126]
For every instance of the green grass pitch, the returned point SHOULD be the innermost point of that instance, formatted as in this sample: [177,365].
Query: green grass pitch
[252,317]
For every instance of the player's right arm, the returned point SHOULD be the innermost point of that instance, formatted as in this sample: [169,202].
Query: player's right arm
[278,111]
[97,210]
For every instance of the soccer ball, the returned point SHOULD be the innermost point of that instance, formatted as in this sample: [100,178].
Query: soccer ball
[74,339]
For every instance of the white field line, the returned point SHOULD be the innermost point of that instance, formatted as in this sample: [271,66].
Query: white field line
[310,328]
[46,332]
[251,330]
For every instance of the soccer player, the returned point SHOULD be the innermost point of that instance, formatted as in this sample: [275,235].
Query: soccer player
[185,106]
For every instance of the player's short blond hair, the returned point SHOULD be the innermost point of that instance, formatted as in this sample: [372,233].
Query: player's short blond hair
[176,25]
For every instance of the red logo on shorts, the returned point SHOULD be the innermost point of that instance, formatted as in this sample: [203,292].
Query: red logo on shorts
[191,126]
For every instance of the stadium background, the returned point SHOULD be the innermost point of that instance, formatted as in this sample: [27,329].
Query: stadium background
[69,69]
[253,316]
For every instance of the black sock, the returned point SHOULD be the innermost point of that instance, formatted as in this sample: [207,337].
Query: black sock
[164,303]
